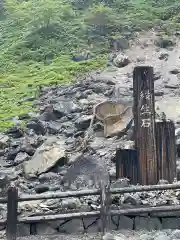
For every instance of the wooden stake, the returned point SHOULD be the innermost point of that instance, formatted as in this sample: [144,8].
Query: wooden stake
[166,150]
[12,205]
[144,121]
[127,165]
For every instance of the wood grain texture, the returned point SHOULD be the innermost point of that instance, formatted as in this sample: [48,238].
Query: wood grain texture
[144,120]
[166,150]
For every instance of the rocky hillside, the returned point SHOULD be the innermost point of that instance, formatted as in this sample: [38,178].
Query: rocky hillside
[42,43]
[39,38]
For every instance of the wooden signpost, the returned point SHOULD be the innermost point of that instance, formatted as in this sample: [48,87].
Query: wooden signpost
[144,121]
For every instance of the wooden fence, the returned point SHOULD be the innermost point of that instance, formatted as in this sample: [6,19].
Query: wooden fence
[105,213]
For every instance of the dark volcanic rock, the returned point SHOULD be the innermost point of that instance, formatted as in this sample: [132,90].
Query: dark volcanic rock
[38,126]
[21,157]
[83,122]
[85,172]
[41,188]
[15,132]
[65,106]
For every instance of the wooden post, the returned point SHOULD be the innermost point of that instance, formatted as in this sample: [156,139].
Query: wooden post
[105,206]
[166,150]
[144,121]
[12,205]
[127,165]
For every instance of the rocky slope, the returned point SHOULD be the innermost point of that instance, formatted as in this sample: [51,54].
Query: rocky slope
[45,156]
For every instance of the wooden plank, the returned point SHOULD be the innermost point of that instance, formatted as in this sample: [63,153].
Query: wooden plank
[166,150]
[127,165]
[144,121]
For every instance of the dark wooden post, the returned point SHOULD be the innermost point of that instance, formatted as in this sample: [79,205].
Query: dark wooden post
[127,165]
[12,205]
[166,150]
[105,206]
[144,121]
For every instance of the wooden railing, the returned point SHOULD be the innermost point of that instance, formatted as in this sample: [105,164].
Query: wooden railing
[105,195]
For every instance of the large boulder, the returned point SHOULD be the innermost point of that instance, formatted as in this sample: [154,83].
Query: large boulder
[86,172]
[46,156]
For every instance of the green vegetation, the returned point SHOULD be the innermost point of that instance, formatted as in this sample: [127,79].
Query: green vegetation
[39,37]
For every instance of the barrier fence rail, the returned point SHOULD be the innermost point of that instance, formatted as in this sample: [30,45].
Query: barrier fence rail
[105,193]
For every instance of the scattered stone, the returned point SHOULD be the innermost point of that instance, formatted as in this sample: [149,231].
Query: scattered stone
[4,141]
[83,122]
[171,86]
[41,188]
[21,157]
[64,107]
[15,132]
[121,61]
[48,114]
[175,71]
[46,156]
[71,203]
[37,126]
[163,56]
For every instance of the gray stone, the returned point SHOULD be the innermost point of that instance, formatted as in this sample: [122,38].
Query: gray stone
[4,139]
[64,107]
[9,173]
[71,203]
[48,176]
[121,61]
[170,223]
[46,156]
[74,157]
[125,223]
[21,157]
[147,223]
[177,132]
[45,228]
[41,188]
[163,56]
[73,226]
[85,170]
[23,230]
[114,222]
[175,234]
[133,200]
[92,225]
[83,122]
[37,126]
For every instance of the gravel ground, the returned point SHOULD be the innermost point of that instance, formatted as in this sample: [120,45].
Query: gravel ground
[123,235]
